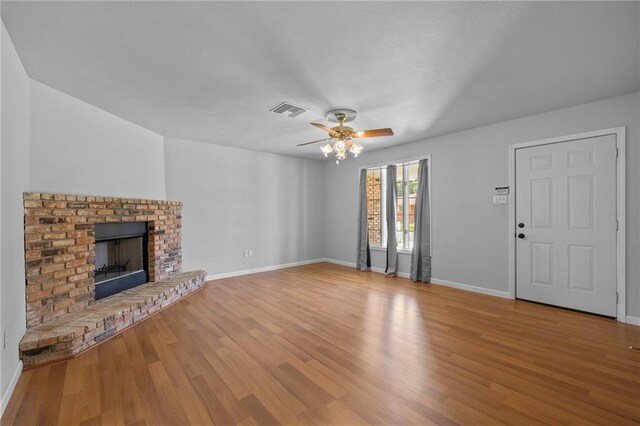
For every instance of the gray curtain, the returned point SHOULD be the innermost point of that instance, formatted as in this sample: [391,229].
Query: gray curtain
[392,245]
[421,254]
[363,259]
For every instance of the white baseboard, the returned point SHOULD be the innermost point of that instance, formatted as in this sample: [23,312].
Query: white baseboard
[473,288]
[339,262]
[6,395]
[437,281]
[262,269]
[632,320]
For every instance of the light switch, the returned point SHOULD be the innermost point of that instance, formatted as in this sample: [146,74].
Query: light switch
[499,199]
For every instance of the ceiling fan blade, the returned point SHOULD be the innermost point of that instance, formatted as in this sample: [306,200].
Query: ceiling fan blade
[329,130]
[373,133]
[309,143]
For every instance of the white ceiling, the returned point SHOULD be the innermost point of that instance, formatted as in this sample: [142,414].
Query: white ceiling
[210,71]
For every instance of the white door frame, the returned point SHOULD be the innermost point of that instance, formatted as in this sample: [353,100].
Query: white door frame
[620,134]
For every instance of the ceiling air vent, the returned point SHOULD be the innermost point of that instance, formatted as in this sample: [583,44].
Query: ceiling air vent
[293,110]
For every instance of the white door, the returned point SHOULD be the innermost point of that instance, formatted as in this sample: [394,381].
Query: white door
[566,224]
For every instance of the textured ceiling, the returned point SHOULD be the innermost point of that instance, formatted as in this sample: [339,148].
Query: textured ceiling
[210,71]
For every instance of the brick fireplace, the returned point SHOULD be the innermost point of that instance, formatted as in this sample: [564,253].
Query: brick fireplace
[63,315]
[60,246]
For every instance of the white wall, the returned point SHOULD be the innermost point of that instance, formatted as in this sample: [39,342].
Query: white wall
[54,142]
[236,199]
[470,235]
[77,148]
[14,180]
[2,385]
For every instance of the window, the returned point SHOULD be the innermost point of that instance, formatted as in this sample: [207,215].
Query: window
[406,190]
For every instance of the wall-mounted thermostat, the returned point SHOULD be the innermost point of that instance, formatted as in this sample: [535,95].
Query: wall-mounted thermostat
[501,190]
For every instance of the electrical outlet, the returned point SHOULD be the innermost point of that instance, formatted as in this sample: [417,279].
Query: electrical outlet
[250,252]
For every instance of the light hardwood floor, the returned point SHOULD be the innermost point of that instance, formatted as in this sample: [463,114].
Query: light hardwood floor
[324,344]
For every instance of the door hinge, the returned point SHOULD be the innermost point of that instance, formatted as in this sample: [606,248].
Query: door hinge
[617,225]
[617,152]
[617,297]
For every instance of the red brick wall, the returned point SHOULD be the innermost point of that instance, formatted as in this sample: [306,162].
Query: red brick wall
[60,246]
[374,213]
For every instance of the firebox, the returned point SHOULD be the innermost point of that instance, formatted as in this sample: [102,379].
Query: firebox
[121,257]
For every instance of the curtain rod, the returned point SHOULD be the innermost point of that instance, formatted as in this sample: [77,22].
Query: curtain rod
[408,160]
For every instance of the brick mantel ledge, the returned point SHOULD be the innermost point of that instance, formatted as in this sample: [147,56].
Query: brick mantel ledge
[71,334]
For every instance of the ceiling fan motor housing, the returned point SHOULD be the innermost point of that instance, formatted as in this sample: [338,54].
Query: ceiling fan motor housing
[332,115]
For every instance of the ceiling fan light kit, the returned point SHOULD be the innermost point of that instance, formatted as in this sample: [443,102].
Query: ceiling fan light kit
[344,135]
[341,147]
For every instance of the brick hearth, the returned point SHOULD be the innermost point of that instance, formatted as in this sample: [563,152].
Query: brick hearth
[73,333]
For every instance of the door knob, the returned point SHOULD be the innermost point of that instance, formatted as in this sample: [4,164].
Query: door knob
[521,225]
[521,236]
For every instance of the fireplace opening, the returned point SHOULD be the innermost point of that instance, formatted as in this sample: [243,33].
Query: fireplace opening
[121,257]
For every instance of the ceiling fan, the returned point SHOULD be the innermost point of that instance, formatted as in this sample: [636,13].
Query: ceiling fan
[344,135]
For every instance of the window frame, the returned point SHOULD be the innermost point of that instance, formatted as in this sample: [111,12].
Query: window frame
[383,196]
